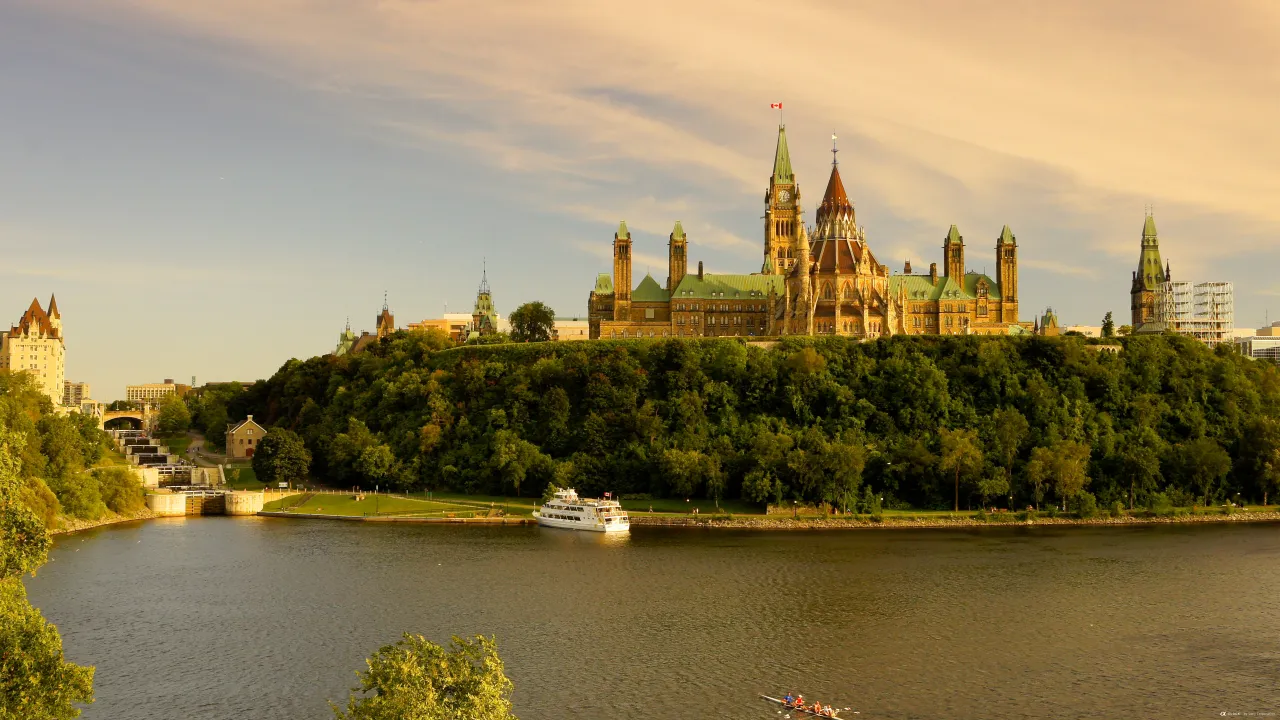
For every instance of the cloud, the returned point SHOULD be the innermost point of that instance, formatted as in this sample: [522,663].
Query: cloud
[1059,268]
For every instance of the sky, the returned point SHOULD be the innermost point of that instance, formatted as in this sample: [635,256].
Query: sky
[212,187]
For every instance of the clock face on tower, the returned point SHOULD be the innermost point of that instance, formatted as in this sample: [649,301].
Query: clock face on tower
[784,196]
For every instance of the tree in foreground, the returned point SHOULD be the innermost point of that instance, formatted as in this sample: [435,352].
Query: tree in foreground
[532,322]
[36,683]
[1108,326]
[415,679]
[281,457]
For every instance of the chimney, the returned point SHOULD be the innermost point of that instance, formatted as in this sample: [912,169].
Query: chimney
[250,418]
[168,381]
[933,273]
[906,269]
[699,269]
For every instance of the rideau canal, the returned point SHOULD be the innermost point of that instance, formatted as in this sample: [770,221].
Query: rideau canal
[265,618]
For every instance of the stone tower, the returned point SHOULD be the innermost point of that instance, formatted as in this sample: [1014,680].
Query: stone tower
[484,319]
[953,255]
[622,273]
[385,322]
[783,218]
[677,257]
[1148,278]
[1007,274]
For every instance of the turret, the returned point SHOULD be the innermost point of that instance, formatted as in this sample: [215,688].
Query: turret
[782,215]
[677,257]
[953,254]
[1007,273]
[622,273]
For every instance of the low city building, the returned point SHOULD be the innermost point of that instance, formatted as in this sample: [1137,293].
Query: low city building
[1263,345]
[243,438]
[455,325]
[152,393]
[571,329]
[35,345]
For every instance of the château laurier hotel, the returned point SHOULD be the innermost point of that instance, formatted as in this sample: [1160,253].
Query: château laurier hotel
[817,280]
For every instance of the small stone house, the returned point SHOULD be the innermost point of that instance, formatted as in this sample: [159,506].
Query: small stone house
[243,438]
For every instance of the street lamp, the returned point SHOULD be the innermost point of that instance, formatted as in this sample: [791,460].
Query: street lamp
[795,510]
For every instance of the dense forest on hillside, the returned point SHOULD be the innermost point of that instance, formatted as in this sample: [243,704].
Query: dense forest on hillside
[925,422]
[53,454]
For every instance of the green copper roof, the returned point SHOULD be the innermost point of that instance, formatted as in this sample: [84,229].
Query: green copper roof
[623,232]
[782,160]
[953,235]
[767,268]
[1006,237]
[971,281]
[1150,269]
[918,287]
[727,287]
[649,291]
[604,284]
[678,232]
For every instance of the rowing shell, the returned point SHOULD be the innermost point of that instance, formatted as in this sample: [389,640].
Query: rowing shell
[801,710]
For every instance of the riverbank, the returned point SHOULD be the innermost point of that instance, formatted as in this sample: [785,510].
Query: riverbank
[923,521]
[69,525]
[400,518]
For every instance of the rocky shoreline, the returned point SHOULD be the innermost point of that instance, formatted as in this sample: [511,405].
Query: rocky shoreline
[919,522]
[67,525]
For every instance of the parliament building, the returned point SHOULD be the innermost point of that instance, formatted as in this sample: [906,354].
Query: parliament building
[821,279]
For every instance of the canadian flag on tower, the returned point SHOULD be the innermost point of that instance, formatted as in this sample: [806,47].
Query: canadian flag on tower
[775,106]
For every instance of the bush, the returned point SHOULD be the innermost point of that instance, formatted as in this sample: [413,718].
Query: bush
[120,489]
[40,499]
[981,516]
[1117,509]
[1084,505]
[1161,504]
[80,496]
[1179,497]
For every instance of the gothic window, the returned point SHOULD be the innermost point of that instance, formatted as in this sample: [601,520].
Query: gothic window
[827,292]
[848,293]
[915,322]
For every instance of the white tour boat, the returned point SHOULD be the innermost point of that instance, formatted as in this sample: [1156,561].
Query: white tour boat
[566,510]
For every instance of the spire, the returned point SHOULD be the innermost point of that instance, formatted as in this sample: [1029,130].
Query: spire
[677,233]
[623,233]
[53,306]
[834,150]
[1006,237]
[953,236]
[1149,228]
[484,276]
[385,308]
[835,199]
[782,173]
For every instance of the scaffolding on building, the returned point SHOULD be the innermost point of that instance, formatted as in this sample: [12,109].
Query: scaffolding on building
[1204,311]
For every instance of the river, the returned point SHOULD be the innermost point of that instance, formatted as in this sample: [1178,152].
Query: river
[264,618]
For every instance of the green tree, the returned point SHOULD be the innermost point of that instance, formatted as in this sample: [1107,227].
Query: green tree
[1204,462]
[961,453]
[1008,433]
[61,443]
[36,683]
[174,416]
[1124,330]
[415,679]
[1069,465]
[120,490]
[1108,326]
[377,464]
[532,322]
[1260,454]
[281,457]
[1140,461]
[1039,471]
[683,469]
[993,487]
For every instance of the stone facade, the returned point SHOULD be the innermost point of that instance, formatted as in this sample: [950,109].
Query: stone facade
[36,346]
[243,438]
[819,280]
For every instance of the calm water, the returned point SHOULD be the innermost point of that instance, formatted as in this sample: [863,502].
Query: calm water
[260,618]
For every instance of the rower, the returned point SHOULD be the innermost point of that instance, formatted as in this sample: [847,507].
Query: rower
[788,699]
[799,701]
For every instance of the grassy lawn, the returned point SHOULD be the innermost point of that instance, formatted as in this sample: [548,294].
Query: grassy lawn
[111,457]
[242,477]
[177,444]
[679,506]
[346,504]
[515,506]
